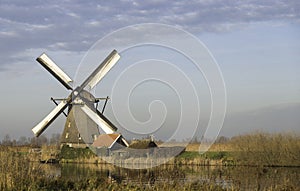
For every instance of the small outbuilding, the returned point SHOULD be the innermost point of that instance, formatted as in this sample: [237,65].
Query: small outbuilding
[105,143]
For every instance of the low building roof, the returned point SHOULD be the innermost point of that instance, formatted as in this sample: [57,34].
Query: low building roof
[143,144]
[106,140]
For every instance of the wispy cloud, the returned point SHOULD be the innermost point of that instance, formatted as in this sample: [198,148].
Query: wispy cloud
[75,25]
[65,29]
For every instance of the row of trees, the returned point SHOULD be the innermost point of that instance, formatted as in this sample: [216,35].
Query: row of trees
[31,141]
[55,138]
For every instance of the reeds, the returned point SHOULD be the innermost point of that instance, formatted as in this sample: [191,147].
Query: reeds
[16,172]
[265,149]
[257,150]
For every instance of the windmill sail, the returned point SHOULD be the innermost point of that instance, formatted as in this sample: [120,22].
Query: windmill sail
[47,63]
[83,118]
[103,124]
[101,70]
[41,127]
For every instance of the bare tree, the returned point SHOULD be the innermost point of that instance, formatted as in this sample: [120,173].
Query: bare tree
[42,140]
[7,141]
[55,139]
[22,141]
[39,141]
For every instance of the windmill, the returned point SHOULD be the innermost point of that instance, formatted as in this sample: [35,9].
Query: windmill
[82,112]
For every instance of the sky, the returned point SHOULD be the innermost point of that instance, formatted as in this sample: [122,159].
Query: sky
[256,45]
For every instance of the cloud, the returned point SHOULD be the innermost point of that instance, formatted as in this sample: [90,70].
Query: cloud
[66,29]
[76,25]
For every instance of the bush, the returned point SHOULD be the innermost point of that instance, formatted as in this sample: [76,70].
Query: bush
[75,153]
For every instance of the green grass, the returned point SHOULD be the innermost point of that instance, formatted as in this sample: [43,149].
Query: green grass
[75,153]
[189,155]
[213,155]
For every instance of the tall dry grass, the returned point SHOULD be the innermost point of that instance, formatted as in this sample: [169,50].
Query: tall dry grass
[267,149]
[16,172]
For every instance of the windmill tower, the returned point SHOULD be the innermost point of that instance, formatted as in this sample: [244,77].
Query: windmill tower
[83,118]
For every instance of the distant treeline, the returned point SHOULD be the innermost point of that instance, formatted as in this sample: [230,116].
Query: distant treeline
[55,139]
[31,141]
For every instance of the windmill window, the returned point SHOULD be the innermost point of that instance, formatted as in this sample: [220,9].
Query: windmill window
[69,124]
[67,135]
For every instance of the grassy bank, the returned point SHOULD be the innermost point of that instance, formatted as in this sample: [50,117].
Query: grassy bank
[257,149]
[85,155]
[17,173]
[264,149]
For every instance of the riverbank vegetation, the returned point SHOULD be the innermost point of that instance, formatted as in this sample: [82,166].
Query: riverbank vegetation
[258,151]
[266,149]
[255,149]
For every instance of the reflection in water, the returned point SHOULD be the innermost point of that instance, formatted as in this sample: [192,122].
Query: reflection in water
[244,178]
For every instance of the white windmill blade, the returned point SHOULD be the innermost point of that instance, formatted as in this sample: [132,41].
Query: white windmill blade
[101,70]
[97,119]
[60,75]
[41,127]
